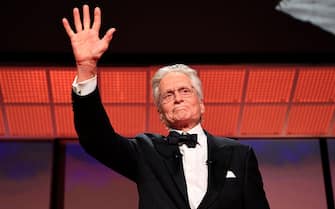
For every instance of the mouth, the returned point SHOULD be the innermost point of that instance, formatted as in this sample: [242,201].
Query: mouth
[178,108]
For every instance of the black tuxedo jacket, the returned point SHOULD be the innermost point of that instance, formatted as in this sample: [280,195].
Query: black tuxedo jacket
[156,167]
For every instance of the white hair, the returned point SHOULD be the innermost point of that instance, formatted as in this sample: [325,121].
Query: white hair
[180,68]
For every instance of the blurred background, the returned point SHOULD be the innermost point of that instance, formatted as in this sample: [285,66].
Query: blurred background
[268,73]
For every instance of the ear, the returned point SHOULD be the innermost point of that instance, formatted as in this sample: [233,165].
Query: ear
[202,107]
[159,111]
[161,116]
[163,121]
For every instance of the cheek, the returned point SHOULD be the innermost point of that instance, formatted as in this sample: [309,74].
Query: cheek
[165,111]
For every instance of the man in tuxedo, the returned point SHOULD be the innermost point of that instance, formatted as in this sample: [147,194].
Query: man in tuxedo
[189,168]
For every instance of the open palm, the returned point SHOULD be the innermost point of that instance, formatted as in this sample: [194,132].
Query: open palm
[86,43]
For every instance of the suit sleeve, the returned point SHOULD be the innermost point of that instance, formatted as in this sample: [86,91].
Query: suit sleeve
[254,194]
[98,138]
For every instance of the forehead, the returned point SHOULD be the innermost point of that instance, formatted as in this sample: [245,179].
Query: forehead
[174,80]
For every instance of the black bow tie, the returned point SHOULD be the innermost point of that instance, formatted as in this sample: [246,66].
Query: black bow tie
[189,139]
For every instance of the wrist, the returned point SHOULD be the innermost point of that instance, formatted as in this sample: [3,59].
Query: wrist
[86,71]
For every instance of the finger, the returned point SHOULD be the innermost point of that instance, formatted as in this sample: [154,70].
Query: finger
[77,21]
[109,35]
[86,18]
[67,27]
[97,19]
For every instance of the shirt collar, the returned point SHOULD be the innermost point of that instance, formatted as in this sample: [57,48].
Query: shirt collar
[195,130]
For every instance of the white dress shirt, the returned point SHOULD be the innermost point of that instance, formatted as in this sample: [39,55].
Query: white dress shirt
[195,167]
[86,87]
[194,159]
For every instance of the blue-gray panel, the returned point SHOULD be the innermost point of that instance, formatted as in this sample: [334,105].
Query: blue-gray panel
[292,173]
[291,169]
[89,184]
[25,175]
[331,151]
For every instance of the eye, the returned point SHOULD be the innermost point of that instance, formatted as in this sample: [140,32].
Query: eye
[185,91]
[167,96]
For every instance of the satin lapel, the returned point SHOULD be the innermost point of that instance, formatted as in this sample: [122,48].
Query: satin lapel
[173,161]
[219,157]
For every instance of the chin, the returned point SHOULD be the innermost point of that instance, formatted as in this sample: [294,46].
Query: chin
[181,120]
[180,123]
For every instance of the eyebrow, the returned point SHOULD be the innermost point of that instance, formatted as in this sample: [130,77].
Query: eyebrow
[174,89]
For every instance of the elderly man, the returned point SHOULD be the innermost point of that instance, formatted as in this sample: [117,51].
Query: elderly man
[188,169]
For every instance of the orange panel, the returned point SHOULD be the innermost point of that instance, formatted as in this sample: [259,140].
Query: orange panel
[128,120]
[269,85]
[61,84]
[2,124]
[28,85]
[64,121]
[316,85]
[221,119]
[222,84]
[155,124]
[120,85]
[29,120]
[310,119]
[263,119]
[215,76]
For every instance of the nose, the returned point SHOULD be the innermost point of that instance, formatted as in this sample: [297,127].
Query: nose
[177,97]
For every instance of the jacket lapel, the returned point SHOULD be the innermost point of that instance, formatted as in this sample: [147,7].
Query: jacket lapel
[219,157]
[173,162]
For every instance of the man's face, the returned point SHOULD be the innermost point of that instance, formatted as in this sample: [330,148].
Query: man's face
[180,106]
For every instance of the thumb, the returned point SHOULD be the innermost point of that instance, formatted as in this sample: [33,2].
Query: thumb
[109,35]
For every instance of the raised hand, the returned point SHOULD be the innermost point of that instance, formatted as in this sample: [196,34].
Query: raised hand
[86,44]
